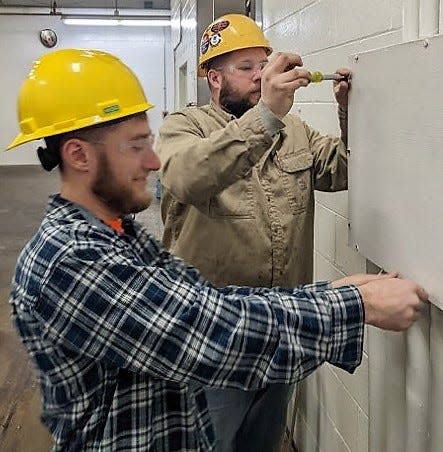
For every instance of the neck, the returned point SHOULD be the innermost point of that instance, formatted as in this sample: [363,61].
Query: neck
[88,201]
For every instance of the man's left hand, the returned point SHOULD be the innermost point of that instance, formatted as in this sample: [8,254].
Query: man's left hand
[341,88]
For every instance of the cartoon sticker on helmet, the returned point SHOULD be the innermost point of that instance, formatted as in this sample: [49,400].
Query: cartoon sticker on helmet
[204,44]
[220,26]
[215,40]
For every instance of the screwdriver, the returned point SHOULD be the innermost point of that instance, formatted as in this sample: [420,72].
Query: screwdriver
[317,77]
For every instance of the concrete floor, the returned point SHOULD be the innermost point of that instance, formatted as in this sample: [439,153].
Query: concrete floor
[23,196]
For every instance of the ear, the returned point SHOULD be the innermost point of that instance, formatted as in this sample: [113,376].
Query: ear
[77,154]
[214,78]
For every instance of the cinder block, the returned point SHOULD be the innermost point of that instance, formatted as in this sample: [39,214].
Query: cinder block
[357,384]
[339,405]
[324,235]
[363,433]
[337,202]
[276,10]
[324,270]
[347,258]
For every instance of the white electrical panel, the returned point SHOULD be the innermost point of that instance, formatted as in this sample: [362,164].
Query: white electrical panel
[396,160]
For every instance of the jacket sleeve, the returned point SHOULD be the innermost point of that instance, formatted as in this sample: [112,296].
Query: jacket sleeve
[197,166]
[149,319]
[330,161]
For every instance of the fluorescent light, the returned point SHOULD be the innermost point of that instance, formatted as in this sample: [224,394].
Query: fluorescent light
[90,22]
[112,21]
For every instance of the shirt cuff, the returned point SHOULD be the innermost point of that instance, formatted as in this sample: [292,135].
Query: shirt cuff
[319,286]
[272,124]
[345,346]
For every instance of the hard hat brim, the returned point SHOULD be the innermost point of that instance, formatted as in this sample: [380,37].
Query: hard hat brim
[22,138]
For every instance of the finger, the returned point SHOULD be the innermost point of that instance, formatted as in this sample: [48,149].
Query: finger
[343,71]
[341,87]
[286,61]
[386,276]
[422,294]
[293,75]
[295,84]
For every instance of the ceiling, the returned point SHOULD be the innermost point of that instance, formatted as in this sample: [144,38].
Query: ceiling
[122,4]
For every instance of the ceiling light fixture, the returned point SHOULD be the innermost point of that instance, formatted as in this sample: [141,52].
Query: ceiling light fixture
[139,18]
[126,21]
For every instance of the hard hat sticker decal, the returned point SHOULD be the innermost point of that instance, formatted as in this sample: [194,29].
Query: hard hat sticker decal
[204,45]
[220,26]
[215,40]
[111,109]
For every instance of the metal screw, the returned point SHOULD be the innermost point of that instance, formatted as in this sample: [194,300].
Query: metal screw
[356,247]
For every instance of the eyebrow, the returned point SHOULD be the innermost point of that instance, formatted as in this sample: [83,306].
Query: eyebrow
[251,61]
[141,135]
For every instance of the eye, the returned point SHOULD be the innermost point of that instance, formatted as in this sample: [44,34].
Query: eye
[245,67]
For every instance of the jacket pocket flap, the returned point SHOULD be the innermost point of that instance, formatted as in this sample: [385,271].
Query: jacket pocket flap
[294,163]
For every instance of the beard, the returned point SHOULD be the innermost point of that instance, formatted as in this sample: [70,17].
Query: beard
[232,102]
[114,194]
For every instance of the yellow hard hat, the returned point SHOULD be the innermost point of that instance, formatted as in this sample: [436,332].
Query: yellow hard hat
[73,88]
[228,33]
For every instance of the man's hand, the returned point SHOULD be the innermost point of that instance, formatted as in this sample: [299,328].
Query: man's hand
[361,278]
[392,303]
[341,88]
[279,80]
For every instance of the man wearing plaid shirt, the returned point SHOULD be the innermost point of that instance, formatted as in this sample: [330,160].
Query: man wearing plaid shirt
[124,335]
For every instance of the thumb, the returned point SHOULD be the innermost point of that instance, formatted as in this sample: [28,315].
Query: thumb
[422,294]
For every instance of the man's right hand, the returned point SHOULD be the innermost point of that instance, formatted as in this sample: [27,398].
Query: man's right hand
[392,304]
[279,80]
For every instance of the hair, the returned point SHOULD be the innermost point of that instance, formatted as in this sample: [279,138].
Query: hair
[214,63]
[50,156]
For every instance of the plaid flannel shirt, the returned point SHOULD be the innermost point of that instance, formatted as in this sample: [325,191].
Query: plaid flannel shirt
[125,336]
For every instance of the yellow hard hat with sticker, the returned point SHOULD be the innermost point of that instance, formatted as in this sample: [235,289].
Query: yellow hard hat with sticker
[228,33]
[71,89]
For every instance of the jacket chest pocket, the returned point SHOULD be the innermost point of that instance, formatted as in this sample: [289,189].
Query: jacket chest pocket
[295,173]
[235,201]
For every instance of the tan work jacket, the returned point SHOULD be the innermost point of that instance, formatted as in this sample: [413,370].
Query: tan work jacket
[237,203]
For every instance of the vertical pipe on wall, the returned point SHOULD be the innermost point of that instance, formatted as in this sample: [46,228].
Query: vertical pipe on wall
[377,371]
[436,355]
[440,28]
[429,17]
[411,19]
[417,384]
[387,403]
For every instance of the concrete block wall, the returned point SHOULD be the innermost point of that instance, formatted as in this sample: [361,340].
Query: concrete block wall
[185,46]
[333,406]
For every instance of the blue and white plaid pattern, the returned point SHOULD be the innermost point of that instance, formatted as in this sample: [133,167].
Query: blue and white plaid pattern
[125,336]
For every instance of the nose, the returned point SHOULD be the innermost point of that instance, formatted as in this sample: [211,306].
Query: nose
[150,161]
[256,76]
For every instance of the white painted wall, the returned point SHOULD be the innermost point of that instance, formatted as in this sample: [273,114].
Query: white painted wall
[185,49]
[142,49]
[370,410]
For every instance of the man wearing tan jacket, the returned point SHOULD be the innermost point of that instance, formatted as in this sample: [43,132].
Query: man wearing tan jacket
[238,179]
